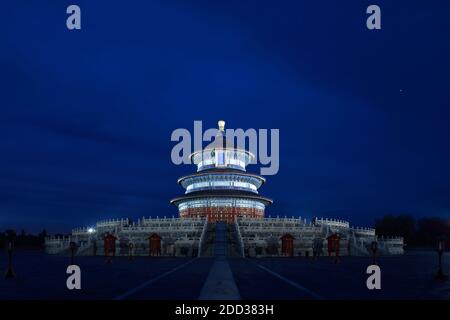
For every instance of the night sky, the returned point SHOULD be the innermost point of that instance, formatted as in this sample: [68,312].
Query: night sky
[86,116]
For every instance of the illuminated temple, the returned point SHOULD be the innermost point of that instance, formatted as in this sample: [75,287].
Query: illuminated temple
[222,197]
[221,190]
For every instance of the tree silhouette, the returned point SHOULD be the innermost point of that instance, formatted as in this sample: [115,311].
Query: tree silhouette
[424,232]
[430,229]
[402,225]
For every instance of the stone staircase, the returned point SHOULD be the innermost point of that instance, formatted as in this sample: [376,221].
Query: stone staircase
[357,248]
[221,239]
[208,241]
[234,241]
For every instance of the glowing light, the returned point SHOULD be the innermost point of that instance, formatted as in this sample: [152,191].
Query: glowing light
[221,124]
[91,230]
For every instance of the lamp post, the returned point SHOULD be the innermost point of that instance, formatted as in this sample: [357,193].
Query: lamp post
[374,249]
[94,247]
[130,251]
[10,272]
[440,251]
[337,247]
[92,239]
[317,248]
[73,247]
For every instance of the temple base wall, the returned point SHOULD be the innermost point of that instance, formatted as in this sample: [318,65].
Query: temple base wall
[228,214]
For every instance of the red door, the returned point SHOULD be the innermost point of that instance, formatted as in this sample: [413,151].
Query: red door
[110,245]
[287,245]
[333,245]
[154,245]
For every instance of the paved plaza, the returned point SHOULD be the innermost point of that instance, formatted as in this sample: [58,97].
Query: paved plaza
[41,276]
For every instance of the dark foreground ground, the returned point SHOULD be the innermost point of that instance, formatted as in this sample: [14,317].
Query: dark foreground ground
[41,276]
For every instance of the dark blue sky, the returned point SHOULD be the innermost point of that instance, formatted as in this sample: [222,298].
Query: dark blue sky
[86,116]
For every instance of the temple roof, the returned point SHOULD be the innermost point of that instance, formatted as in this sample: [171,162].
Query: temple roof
[221,194]
[221,171]
[222,142]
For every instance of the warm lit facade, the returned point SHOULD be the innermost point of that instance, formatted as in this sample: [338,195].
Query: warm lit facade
[221,190]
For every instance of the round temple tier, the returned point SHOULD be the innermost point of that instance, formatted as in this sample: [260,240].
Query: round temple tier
[221,190]
[221,207]
[220,157]
[221,154]
[221,180]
